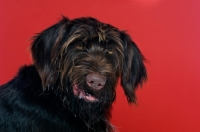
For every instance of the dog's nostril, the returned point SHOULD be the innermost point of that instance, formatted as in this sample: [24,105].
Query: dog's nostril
[96,81]
[91,82]
[100,85]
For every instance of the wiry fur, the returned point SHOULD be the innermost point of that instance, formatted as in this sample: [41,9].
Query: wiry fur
[41,97]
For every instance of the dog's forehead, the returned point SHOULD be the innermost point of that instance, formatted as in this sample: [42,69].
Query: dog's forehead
[91,31]
[85,29]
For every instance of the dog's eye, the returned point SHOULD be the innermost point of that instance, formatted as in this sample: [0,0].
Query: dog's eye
[79,46]
[109,51]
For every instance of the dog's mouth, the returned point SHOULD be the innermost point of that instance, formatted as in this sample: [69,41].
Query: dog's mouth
[82,94]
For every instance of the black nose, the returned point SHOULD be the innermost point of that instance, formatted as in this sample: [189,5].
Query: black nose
[95,81]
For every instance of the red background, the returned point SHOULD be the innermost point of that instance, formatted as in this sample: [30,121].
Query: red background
[166,31]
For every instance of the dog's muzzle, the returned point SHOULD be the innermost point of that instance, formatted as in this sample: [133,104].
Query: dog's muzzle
[95,81]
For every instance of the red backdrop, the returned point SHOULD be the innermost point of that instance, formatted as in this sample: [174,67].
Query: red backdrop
[166,31]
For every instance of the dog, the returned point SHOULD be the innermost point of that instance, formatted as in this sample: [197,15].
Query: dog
[71,85]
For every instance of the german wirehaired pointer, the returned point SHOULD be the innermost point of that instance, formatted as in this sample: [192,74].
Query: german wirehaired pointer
[71,85]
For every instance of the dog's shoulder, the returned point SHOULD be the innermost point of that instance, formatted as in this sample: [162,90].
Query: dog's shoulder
[25,86]
[26,82]
[22,100]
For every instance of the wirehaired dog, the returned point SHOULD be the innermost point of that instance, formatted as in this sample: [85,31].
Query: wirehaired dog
[72,83]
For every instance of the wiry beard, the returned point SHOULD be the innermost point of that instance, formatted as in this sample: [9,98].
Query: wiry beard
[90,112]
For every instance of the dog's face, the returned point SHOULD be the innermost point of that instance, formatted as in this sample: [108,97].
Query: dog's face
[82,61]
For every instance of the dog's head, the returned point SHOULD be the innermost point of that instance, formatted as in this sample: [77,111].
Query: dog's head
[83,59]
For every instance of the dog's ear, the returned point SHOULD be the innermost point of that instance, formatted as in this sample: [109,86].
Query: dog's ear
[43,48]
[133,70]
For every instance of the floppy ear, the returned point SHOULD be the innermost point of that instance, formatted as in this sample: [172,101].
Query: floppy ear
[133,72]
[43,49]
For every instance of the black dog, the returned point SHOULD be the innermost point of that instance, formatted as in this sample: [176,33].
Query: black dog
[72,83]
